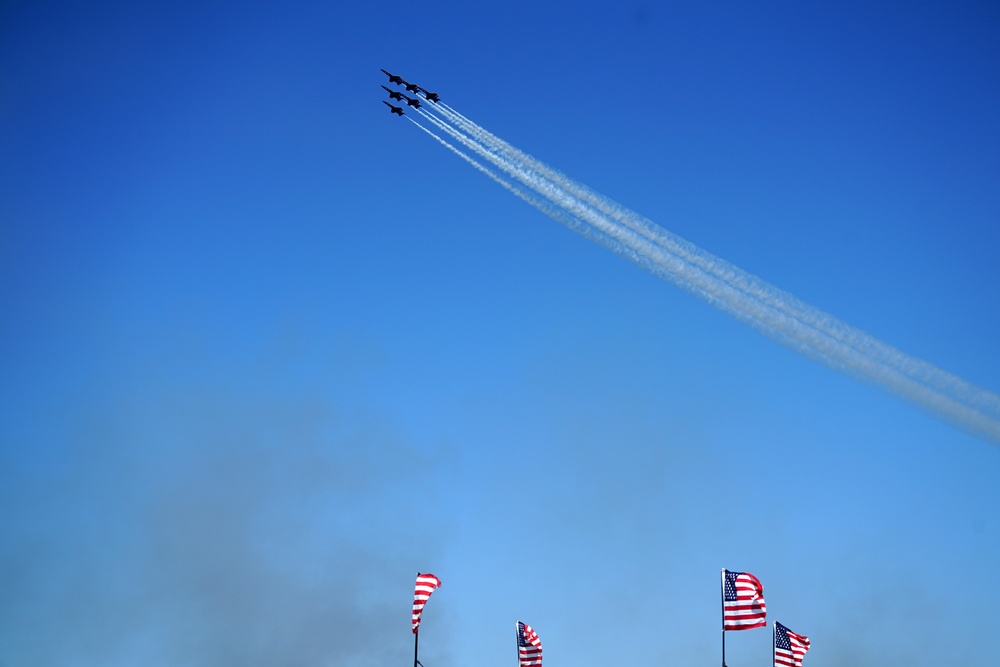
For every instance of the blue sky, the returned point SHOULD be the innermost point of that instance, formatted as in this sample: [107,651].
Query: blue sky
[267,351]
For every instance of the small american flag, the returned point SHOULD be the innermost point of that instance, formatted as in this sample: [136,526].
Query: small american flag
[789,648]
[426,583]
[529,647]
[742,601]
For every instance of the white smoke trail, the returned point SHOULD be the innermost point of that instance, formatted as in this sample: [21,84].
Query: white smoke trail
[547,207]
[637,247]
[468,159]
[776,313]
[752,285]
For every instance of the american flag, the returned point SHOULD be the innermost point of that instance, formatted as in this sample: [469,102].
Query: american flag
[529,647]
[742,601]
[789,648]
[426,583]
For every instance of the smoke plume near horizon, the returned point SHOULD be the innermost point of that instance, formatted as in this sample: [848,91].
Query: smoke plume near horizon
[234,522]
[774,312]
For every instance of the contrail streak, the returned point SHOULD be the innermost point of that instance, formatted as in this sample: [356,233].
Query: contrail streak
[776,313]
[735,276]
[542,205]
[548,207]
[464,156]
[772,297]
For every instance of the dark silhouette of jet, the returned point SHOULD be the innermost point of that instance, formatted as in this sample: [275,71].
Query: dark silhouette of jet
[396,110]
[411,87]
[394,94]
[412,101]
[394,78]
[433,97]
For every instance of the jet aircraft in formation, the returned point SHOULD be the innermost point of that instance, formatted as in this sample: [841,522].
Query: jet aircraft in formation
[394,94]
[393,78]
[410,87]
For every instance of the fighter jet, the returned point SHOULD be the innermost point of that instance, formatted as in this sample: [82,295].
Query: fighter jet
[412,101]
[394,94]
[396,110]
[411,87]
[433,97]
[394,78]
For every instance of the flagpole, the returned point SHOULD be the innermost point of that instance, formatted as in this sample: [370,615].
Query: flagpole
[722,601]
[416,634]
[517,644]
[774,636]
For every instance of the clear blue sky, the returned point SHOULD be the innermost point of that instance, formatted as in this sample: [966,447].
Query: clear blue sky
[266,351]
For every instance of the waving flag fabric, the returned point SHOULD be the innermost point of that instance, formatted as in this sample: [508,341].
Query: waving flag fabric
[789,648]
[529,646]
[426,583]
[742,601]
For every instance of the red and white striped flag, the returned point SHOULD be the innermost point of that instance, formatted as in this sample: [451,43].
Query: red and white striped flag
[789,647]
[426,583]
[529,646]
[742,601]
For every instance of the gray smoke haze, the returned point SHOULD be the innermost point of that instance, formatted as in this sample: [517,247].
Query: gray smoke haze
[226,525]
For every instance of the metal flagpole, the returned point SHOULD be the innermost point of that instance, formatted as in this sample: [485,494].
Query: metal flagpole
[722,600]
[774,636]
[517,641]
[416,635]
